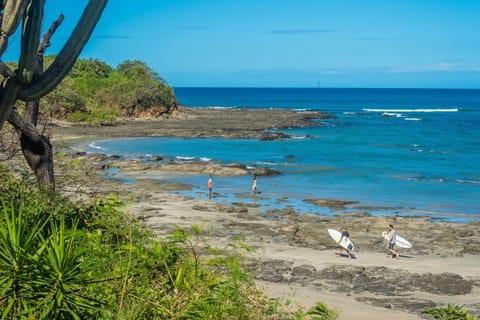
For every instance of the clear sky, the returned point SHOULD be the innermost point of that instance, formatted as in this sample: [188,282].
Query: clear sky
[280,43]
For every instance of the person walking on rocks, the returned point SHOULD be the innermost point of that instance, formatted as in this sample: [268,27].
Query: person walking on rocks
[392,240]
[210,187]
[345,234]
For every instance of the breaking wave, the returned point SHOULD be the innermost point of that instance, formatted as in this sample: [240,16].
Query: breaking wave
[411,110]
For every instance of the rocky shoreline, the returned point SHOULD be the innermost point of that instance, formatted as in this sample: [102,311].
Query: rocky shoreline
[293,251]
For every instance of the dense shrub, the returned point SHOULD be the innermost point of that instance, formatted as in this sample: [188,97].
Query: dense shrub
[450,312]
[64,261]
[95,92]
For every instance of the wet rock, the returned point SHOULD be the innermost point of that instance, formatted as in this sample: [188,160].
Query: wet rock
[302,274]
[269,136]
[413,305]
[246,216]
[471,248]
[266,172]
[274,270]
[340,274]
[331,203]
[444,283]
[381,280]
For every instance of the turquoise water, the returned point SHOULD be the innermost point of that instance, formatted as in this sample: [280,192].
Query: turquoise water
[395,151]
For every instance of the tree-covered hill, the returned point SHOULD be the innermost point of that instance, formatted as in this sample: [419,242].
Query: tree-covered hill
[97,92]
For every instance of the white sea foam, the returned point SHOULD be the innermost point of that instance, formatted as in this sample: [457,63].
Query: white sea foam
[392,114]
[412,110]
[349,113]
[266,163]
[468,181]
[185,158]
[220,108]
[94,146]
[204,159]
[413,119]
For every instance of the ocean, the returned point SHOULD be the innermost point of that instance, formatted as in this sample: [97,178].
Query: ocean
[407,152]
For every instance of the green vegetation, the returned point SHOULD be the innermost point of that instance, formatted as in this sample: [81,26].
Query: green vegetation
[60,260]
[97,93]
[451,312]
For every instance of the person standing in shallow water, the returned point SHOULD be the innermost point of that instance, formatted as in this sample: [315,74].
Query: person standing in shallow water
[392,240]
[210,187]
[254,185]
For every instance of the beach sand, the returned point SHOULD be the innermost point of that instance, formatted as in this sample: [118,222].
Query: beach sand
[295,257]
[296,264]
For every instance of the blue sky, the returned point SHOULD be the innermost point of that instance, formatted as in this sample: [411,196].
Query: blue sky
[297,43]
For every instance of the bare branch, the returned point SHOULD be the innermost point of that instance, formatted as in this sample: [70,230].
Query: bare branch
[46,38]
[5,71]
[23,126]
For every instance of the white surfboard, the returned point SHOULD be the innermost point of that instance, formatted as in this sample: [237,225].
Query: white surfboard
[400,241]
[337,235]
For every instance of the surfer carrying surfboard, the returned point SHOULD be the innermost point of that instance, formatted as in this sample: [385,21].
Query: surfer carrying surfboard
[392,240]
[345,235]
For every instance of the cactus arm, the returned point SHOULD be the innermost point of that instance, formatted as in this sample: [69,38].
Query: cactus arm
[12,14]
[8,95]
[32,23]
[65,60]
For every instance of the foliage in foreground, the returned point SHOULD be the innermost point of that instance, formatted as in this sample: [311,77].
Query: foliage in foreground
[450,312]
[65,261]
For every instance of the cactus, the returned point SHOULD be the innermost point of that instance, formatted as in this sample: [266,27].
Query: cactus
[12,13]
[29,82]
[32,22]
[24,86]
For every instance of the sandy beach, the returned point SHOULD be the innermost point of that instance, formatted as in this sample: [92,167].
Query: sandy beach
[294,257]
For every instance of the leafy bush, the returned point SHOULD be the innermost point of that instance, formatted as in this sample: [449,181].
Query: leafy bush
[96,92]
[451,312]
[95,261]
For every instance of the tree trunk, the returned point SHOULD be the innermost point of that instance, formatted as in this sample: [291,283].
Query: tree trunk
[29,82]
[38,153]
[36,149]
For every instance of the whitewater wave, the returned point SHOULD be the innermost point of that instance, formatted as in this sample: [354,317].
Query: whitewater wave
[410,110]
[94,146]
[220,107]
[393,114]
[301,110]
[468,181]
[413,119]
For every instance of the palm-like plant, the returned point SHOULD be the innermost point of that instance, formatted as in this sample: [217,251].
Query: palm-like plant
[40,269]
[60,279]
[18,250]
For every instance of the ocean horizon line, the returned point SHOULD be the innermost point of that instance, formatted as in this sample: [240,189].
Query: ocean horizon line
[327,88]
